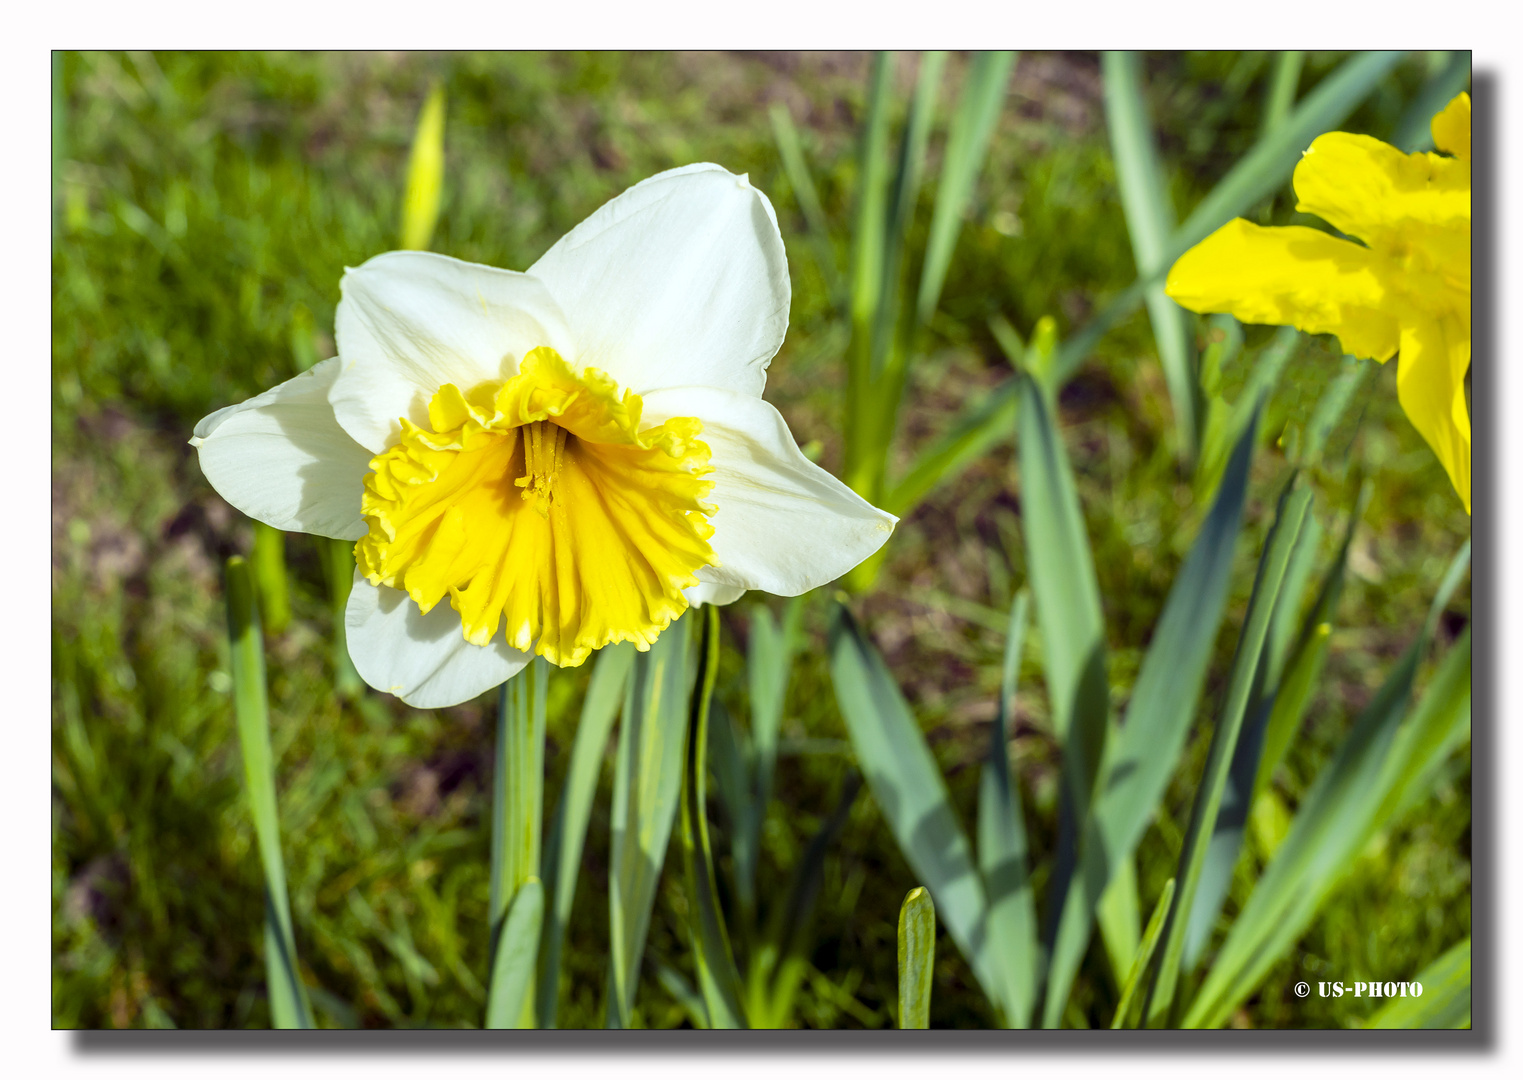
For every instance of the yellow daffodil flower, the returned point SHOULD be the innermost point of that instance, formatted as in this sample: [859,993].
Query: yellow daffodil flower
[571,456]
[1408,290]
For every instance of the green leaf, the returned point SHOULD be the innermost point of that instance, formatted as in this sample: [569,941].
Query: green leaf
[1143,756]
[1237,799]
[967,147]
[909,790]
[646,794]
[869,236]
[1310,653]
[1439,726]
[917,958]
[1281,94]
[1336,818]
[518,799]
[1062,575]
[568,830]
[510,999]
[425,174]
[1445,1000]
[906,195]
[1149,222]
[1144,956]
[1245,682]
[288,996]
[1002,847]
[718,979]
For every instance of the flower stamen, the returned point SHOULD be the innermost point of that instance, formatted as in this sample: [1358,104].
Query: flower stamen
[619,527]
[544,448]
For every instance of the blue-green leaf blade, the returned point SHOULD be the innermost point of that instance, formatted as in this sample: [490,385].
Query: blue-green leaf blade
[568,830]
[909,790]
[510,999]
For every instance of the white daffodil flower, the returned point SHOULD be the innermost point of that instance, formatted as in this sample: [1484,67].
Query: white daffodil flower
[571,456]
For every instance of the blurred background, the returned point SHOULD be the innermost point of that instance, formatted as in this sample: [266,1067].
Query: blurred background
[206,206]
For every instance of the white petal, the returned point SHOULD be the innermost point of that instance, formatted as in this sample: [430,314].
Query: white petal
[282,458]
[422,659]
[710,593]
[781,523]
[411,321]
[680,281]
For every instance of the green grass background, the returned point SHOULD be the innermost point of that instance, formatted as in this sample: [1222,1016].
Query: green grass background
[206,206]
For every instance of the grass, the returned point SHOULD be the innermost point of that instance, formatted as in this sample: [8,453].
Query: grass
[207,207]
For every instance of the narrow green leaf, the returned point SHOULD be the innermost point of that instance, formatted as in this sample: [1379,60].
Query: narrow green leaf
[425,174]
[288,996]
[1308,656]
[906,195]
[917,958]
[867,260]
[808,198]
[268,561]
[1445,999]
[568,830]
[1439,726]
[1149,222]
[718,979]
[646,794]
[1244,682]
[1168,688]
[518,799]
[1414,131]
[1237,799]
[1280,97]
[1144,956]
[510,999]
[967,147]
[909,790]
[1002,847]
[1062,575]
[1335,820]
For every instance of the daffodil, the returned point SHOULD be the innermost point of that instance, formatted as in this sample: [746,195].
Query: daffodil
[1406,288]
[552,461]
